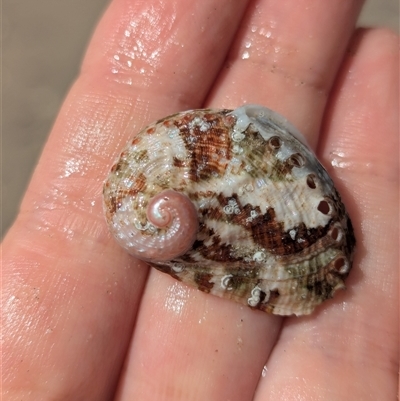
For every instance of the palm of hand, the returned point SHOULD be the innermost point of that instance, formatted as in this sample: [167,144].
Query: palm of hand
[83,320]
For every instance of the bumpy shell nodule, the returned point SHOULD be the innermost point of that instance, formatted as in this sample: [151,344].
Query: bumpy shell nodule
[234,203]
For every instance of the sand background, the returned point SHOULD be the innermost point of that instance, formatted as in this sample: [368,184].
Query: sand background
[42,46]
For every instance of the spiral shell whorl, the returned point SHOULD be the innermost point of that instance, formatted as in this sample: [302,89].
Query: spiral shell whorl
[158,229]
[175,213]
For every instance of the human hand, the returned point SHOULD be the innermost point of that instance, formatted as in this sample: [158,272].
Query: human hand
[82,320]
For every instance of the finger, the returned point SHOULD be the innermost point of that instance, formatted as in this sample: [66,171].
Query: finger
[164,50]
[350,350]
[286,56]
[118,92]
[70,295]
[189,347]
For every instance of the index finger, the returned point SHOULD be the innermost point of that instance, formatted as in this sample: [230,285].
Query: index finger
[70,295]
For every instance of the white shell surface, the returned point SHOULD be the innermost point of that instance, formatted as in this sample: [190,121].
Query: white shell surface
[252,215]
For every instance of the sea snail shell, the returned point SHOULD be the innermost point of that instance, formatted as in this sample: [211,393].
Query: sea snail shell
[234,203]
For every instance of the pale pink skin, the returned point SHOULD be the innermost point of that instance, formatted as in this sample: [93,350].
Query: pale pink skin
[83,320]
[175,211]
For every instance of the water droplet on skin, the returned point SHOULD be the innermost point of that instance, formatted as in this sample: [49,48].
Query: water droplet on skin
[73,166]
[264,371]
[245,55]
[339,160]
[176,299]
[202,319]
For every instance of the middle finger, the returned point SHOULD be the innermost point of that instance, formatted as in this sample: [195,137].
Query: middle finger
[286,57]
[201,347]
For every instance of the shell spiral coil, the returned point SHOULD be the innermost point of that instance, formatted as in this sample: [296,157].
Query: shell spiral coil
[176,214]
[234,203]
